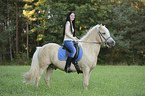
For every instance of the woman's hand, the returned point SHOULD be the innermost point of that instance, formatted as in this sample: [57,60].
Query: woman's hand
[76,39]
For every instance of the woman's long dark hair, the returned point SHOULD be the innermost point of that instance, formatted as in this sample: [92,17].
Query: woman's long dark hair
[73,22]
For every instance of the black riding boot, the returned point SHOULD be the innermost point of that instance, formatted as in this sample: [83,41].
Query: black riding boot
[77,67]
[67,66]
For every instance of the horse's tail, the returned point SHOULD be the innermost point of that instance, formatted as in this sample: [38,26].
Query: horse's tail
[32,75]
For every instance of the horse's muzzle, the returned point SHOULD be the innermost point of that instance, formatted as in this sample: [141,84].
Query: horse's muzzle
[111,43]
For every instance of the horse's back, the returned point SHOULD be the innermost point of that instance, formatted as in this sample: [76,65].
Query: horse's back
[51,45]
[51,48]
[48,51]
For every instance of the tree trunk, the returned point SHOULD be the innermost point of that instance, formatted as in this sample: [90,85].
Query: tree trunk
[16,29]
[0,58]
[133,58]
[37,35]
[27,42]
[10,46]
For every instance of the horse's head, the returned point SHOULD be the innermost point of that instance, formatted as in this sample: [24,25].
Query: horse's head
[105,37]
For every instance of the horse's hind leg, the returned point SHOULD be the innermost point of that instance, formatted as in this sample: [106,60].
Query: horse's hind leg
[41,71]
[48,74]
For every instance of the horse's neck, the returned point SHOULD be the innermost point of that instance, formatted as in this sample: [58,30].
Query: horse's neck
[92,36]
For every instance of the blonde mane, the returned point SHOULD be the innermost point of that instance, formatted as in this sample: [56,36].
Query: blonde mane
[89,32]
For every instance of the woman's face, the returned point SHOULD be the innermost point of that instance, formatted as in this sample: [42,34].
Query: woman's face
[72,16]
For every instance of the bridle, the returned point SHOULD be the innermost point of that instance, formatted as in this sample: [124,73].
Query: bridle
[101,36]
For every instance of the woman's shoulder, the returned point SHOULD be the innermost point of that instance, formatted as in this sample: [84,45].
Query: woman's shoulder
[67,22]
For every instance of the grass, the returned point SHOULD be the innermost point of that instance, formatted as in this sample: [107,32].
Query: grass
[104,81]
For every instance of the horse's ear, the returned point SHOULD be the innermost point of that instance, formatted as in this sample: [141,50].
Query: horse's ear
[100,25]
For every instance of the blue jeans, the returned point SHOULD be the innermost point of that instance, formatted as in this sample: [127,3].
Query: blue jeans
[70,46]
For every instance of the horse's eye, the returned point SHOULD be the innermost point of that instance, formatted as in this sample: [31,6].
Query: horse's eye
[103,33]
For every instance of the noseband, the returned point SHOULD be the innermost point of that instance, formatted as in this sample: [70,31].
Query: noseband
[101,36]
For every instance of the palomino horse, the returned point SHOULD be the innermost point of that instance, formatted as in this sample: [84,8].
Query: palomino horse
[47,55]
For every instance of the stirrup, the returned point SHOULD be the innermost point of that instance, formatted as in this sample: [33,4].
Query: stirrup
[68,70]
[77,68]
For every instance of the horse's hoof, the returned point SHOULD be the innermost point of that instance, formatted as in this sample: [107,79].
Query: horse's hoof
[86,88]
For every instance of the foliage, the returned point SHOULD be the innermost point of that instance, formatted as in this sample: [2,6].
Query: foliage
[127,29]
[45,20]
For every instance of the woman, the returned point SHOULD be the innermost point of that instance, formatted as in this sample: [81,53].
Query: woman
[69,37]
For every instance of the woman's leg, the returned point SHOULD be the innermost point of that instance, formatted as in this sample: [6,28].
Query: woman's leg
[70,46]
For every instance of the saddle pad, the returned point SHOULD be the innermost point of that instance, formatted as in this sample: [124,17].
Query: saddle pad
[62,54]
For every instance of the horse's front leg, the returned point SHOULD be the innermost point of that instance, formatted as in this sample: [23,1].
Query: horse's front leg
[86,74]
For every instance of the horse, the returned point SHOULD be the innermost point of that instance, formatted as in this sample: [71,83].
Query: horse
[47,55]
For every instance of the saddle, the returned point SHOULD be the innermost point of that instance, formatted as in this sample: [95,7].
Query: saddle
[63,52]
[75,57]
[68,51]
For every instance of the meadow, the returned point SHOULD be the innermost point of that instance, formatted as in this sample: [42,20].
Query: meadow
[104,81]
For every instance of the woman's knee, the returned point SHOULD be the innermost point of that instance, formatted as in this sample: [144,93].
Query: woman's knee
[73,52]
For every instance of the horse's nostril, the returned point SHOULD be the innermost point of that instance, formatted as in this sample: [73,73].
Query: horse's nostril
[113,42]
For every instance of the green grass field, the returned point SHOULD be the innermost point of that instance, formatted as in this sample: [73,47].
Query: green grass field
[104,81]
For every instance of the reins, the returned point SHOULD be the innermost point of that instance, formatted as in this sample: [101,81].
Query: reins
[101,36]
[90,42]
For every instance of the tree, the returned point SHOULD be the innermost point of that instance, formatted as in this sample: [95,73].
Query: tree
[16,28]
[28,14]
[25,24]
[10,41]
[126,23]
